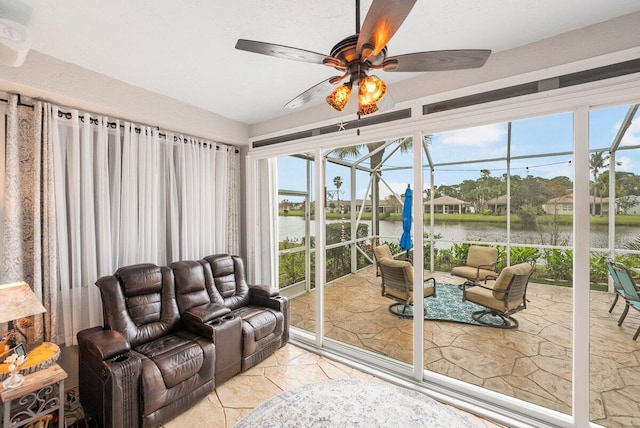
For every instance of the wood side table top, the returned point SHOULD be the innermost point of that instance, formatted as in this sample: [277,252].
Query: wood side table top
[34,382]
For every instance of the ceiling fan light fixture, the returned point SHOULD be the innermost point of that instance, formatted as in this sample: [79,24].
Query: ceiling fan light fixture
[371,90]
[364,109]
[339,97]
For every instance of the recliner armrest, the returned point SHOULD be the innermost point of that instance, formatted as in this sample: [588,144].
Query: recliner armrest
[205,313]
[263,291]
[109,378]
[104,344]
[267,297]
[198,319]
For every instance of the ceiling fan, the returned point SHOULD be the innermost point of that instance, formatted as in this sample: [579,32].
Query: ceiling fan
[357,55]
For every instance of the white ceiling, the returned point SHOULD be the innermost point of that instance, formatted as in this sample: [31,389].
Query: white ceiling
[185,48]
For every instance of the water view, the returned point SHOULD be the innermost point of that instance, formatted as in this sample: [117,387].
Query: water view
[293,228]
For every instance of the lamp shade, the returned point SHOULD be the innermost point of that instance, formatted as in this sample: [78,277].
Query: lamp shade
[17,300]
[339,97]
[372,90]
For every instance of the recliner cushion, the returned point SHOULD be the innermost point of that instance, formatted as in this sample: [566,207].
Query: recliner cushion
[260,326]
[230,286]
[177,358]
[261,321]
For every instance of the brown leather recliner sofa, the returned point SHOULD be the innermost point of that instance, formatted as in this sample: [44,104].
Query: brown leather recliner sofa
[171,334]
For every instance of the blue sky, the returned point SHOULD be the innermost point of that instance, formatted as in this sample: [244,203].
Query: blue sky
[534,136]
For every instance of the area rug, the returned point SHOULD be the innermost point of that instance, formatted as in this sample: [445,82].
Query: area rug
[353,403]
[448,306]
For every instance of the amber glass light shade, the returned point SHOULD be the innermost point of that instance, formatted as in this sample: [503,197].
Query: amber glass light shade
[371,90]
[339,97]
[367,109]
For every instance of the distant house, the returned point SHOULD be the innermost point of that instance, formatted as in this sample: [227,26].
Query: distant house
[498,205]
[446,205]
[564,205]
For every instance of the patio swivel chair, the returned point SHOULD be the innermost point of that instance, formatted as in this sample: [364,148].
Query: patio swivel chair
[631,296]
[397,283]
[481,262]
[505,296]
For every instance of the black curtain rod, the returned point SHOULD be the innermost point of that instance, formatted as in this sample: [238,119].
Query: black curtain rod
[112,125]
[20,103]
[138,130]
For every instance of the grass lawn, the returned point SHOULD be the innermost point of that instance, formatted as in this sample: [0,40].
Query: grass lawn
[621,220]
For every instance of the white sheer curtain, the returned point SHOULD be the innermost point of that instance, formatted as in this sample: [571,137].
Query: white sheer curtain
[267,222]
[129,194]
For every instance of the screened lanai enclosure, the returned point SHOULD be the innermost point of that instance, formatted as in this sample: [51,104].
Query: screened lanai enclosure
[524,194]
[527,186]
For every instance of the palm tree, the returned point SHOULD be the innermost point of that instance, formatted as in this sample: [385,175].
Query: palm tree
[337,181]
[596,163]
[375,161]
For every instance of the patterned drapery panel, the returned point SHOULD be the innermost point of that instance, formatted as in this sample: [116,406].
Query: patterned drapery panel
[29,226]
[233,223]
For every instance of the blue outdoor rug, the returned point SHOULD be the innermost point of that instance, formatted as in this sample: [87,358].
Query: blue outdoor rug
[448,306]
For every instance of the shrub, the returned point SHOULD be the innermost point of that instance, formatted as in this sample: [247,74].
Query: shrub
[559,264]
[527,214]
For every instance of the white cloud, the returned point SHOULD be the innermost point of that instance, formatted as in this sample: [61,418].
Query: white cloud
[632,136]
[627,162]
[480,136]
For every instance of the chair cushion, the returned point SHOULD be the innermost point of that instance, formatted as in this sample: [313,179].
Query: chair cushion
[397,293]
[177,358]
[428,290]
[485,297]
[478,256]
[502,283]
[382,251]
[471,272]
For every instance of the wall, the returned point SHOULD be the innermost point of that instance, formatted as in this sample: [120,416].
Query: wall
[45,77]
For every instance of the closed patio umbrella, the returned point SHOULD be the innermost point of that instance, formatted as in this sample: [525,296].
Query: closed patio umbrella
[405,240]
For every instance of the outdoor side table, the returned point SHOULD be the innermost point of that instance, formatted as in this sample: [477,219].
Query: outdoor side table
[41,393]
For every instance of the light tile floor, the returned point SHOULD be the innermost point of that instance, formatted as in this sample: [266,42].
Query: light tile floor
[288,368]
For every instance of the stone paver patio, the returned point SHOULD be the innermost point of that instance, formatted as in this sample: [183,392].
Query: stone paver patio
[531,363]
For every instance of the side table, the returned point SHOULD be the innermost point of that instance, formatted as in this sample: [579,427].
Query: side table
[41,393]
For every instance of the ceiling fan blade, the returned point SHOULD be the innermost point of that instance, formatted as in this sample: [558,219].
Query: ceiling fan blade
[438,60]
[323,88]
[285,52]
[381,23]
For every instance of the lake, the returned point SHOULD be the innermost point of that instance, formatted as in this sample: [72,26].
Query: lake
[293,227]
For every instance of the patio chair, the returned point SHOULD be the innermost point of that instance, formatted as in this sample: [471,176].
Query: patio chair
[397,283]
[504,297]
[619,290]
[381,252]
[481,263]
[631,296]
